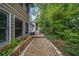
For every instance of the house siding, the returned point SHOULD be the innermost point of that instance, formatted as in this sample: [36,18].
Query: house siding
[15,10]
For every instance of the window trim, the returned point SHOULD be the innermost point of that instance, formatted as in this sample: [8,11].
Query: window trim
[8,35]
[7,25]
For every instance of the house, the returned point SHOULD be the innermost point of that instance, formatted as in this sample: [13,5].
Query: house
[13,21]
[33,12]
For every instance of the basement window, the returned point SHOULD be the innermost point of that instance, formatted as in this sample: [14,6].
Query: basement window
[18,27]
[3,26]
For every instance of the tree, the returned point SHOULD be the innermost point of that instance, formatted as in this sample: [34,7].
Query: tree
[61,20]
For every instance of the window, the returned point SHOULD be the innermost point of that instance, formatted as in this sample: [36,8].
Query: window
[3,26]
[26,28]
[18,27]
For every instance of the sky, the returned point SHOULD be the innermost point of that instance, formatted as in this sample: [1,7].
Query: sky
[33,13]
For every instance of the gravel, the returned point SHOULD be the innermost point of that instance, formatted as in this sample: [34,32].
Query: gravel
[40,47]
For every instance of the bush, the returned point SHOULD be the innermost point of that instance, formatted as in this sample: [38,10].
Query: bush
[11,47]
[61,21]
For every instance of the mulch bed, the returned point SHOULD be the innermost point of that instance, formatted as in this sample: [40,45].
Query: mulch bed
[17,51]
[21,47]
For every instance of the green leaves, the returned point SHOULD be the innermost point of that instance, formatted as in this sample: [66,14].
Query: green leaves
[10,48]
[61,20]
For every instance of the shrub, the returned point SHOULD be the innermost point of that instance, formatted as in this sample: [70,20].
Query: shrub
[11,47]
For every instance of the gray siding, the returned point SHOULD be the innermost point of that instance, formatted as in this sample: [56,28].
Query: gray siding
[15,10]
[12,26]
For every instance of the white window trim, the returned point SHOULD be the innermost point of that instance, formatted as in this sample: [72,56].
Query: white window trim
[8,37]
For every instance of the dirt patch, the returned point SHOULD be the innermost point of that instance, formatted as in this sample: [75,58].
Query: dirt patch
[60,44]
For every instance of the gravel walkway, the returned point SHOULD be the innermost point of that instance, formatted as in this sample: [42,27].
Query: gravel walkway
[40,47]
